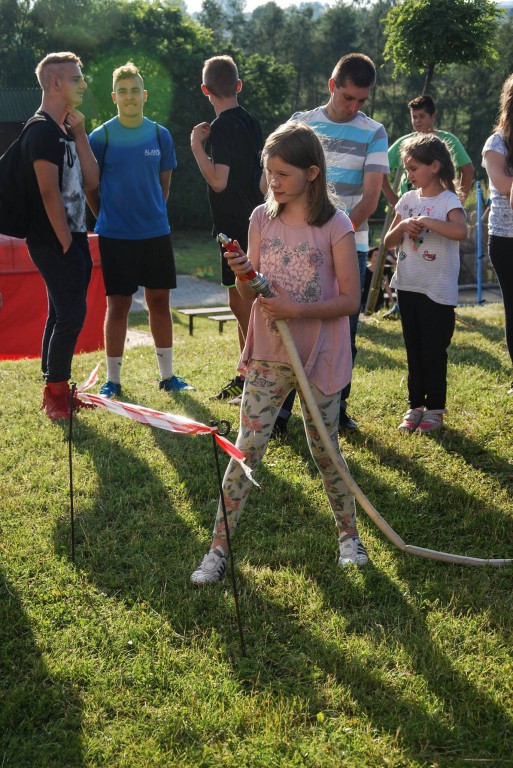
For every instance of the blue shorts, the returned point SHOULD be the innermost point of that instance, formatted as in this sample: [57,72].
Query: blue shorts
[129,264]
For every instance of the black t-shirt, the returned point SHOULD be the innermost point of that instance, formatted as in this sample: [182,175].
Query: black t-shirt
[45,140]
[236,141]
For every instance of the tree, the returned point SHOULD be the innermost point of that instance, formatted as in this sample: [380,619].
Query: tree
[213,17]
[423,34]
[264,30]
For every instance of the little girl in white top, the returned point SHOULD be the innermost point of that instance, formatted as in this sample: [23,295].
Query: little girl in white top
[427,227]
[306,248]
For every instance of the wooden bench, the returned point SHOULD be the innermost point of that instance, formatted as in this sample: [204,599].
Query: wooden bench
[222,319]
[191,314]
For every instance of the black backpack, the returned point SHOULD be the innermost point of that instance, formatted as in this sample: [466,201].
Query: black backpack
[14,202]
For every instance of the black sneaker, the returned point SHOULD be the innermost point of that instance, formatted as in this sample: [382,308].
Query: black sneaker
[230,390]
[346,423]
[280,428]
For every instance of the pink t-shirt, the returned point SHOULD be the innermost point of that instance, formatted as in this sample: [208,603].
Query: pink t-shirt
[300,260]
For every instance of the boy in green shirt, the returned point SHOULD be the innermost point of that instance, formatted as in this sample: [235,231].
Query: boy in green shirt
[423,116]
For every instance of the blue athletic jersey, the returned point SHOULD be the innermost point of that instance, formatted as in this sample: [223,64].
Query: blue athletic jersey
[132,205]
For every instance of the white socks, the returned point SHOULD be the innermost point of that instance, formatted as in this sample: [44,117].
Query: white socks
[114,369]
[165,361]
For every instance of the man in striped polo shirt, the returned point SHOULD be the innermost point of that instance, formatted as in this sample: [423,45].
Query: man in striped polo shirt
[356,148]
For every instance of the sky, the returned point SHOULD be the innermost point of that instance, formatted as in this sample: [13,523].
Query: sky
[194,6]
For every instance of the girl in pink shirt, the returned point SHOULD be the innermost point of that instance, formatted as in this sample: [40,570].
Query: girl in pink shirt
[306,249]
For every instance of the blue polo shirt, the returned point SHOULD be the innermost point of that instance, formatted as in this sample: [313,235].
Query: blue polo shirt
[132,205]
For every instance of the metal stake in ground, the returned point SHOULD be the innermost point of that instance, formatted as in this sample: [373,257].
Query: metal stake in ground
[70,459]
[226,430]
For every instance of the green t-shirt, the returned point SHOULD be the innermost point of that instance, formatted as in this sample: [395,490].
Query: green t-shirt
[459,155]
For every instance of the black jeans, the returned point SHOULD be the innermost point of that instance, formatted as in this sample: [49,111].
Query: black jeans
[66,278]
[501,256]
[427,331]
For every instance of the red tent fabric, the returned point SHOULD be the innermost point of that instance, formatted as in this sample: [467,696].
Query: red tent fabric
[25,306]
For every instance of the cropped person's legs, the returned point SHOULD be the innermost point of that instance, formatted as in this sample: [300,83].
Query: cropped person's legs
[501,256]
[340,498]
[67,279]
[265,389]
[116,324]
[161,324]
[409,308]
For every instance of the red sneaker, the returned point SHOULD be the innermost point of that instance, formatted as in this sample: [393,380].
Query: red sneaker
[56,400]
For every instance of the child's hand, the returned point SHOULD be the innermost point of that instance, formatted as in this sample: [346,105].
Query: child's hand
[412,226]
[425,221]
[281,306]
[238,262]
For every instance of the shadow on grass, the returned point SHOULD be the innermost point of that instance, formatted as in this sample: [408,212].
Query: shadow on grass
[141,548]
[287,658]
[130,532]
[40,716]
[460,352]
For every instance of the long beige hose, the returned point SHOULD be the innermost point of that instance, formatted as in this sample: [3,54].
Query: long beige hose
[343,470]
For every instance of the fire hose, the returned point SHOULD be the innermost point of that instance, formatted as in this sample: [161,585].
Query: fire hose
[260,285]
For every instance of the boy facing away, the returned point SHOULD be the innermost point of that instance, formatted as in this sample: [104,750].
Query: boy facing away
[227,152]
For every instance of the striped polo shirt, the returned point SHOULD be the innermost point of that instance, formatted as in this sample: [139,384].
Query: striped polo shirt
[352,149]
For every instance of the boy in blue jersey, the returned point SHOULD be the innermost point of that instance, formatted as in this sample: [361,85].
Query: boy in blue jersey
[136,159]
[356,157]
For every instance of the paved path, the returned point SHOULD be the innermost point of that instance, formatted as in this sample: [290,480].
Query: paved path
[190,292]
[195,292]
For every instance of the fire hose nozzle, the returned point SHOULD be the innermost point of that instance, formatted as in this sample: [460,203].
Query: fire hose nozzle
[258,282]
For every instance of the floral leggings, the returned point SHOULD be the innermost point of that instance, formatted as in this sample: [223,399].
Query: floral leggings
[267,385]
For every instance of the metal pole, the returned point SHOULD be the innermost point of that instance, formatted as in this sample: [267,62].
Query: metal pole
[479,242]
[227,529]
[70,460]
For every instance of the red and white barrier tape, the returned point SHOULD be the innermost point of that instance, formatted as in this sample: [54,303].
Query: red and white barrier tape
[172,422]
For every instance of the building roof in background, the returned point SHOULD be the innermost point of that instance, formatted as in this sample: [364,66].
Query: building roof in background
[18,104]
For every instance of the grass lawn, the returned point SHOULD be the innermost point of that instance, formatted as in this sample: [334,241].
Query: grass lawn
[117,661]
[197,253]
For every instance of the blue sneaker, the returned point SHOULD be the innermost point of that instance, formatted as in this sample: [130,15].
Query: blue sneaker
[110,389]
[175,384]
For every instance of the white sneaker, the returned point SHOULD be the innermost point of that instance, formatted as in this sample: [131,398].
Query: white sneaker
[411,419]
[352,551]
[432,420]
[235,400]
[211,569]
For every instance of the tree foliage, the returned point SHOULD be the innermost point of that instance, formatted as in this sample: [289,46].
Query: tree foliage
[285,57]
[423,34]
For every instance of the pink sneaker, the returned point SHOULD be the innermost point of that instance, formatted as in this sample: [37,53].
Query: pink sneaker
[432,420]
[411,419]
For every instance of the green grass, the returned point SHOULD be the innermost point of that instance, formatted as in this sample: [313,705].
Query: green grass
[116,661]
[197,253]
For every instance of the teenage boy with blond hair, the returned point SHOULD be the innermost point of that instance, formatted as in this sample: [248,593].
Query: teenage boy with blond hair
[228,155]
[58,167]
[136,158]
